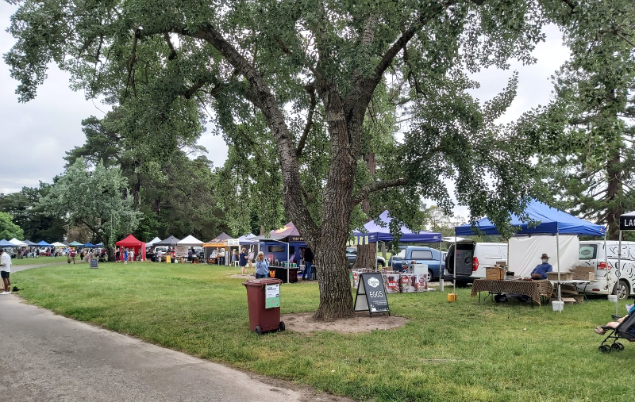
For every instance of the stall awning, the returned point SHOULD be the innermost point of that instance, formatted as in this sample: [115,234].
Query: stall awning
[545,219]
[190,241]
[169,242]
[374,232]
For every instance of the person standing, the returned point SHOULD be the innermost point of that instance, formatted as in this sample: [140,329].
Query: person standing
[262,266]
[125,256]
[72,254]
[131,255]
[308,264]
[190,252]
[243,260]
[5,271]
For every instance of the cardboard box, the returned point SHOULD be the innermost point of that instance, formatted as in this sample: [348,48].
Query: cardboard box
[564,276]
[494,274]
[583,276]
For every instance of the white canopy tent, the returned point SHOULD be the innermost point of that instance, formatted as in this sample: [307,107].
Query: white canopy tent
[18,242]
[58,244]
[151,243]
[183,245]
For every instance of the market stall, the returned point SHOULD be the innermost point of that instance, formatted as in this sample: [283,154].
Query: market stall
[131,242]
[183,246]
[282,246]
[152,242]
[375,232]
[215,250]
[539,220]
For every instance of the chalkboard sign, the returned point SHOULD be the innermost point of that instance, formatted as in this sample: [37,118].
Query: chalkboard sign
[94,263]
[371,294]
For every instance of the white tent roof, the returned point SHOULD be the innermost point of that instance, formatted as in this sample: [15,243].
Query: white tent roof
[151,242]
[18,242]
[190,241]
[58,244]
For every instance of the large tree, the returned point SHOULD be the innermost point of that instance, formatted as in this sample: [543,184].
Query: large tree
[587,132]
[94,198]
[37,224]
[8,229]
[284,61]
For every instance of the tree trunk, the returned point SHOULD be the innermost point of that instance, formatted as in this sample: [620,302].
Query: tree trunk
[336,300]
[614,195]
[366,254]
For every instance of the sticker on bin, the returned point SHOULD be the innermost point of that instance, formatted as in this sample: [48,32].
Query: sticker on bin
[272,296]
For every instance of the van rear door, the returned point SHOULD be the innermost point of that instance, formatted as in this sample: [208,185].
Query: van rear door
[464,259]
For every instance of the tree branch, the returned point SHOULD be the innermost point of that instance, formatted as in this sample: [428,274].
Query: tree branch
[309,120]
[367,189]
[173,55]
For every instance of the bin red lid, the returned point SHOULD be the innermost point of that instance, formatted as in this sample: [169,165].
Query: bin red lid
[262,281]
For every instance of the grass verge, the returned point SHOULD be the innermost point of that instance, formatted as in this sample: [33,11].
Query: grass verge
[38,261]
[447,352]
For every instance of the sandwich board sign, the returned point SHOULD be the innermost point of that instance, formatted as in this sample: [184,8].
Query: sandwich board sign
[94,263]
[371,295]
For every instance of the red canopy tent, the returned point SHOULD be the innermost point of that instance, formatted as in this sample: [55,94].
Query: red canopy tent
[131,242]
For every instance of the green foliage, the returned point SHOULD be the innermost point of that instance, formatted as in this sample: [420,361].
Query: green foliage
[8,229]
[94,198]
[587,132]
[30,216]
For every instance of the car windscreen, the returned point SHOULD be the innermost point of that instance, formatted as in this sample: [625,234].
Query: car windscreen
[588,251]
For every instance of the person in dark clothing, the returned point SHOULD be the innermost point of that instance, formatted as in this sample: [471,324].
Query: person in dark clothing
[308,264]
[242,260]
[540,272]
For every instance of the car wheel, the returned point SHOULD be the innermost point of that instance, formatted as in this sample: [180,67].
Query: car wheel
[429,275]
[622,290]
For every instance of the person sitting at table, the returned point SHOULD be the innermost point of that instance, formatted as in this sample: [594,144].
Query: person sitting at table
[540,272]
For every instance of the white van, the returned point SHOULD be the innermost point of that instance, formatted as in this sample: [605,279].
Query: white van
[472,259]
[593,254]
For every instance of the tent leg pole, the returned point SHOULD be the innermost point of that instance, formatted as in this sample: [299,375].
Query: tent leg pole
[618,272]
[376,251]
[440,269]
[558,262]
[455,247]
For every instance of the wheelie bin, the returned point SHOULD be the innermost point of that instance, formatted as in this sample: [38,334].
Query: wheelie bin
[263,300]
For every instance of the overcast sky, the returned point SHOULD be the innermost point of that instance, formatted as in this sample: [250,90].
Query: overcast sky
[36,135]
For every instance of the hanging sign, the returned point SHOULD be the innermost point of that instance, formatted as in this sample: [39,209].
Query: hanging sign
[272,296]
[371,294]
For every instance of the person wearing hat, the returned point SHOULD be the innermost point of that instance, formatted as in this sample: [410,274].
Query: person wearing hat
[5,271]
[540,272]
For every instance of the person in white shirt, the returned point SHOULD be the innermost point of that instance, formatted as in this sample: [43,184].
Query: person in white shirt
[131,255]
[5,270]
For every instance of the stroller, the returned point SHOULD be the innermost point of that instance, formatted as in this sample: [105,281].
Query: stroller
[626,330]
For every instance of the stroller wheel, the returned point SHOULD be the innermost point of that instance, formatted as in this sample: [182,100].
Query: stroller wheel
[618,346]
[605,349]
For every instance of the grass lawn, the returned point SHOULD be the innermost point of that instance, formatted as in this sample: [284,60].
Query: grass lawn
[447,352]
[38,261]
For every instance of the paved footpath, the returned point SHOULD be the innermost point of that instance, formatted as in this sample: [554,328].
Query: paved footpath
[46,357]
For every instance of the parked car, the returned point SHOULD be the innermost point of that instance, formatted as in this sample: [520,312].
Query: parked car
[593,254]
[472,259]
[409,255]
[351,256]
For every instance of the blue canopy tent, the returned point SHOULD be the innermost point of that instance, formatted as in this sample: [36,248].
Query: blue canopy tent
[44,244]
[545,220]
[89,245]
[541,219]
[6,243]
[374,233]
